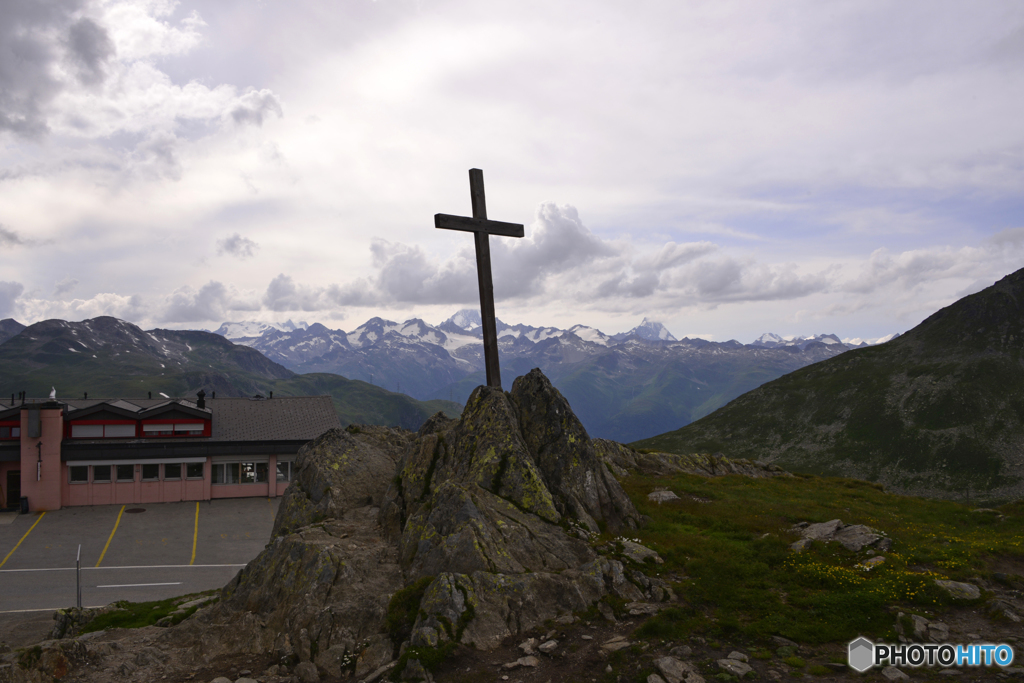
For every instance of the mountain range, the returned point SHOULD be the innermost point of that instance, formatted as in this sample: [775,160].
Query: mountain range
[623,386]
[937,412]
[107,357]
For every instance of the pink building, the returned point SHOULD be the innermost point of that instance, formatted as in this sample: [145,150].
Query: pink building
[113,451]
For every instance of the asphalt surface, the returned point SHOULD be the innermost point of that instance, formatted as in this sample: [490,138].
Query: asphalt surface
[138,556]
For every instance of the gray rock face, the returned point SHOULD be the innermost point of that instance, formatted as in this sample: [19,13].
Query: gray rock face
[578,481]
[854,537]
[340,471]
[960,591]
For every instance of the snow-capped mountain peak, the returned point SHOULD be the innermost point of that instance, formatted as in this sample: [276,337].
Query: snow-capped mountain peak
[652,331]
[466,319]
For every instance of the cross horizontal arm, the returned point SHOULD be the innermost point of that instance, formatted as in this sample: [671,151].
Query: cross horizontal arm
[446,222]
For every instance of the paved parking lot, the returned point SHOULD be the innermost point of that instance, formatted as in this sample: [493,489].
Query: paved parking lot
[137,553]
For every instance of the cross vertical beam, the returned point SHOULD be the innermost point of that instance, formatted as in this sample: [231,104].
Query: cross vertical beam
[483,277]
[482,229]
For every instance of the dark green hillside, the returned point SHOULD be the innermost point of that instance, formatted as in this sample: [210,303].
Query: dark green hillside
[8,328]
[938,411]
[106,357]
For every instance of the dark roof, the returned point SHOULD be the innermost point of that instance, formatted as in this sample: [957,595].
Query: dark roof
[289,418]
[272,419]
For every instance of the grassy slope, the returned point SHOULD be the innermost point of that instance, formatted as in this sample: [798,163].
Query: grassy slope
[938,411]
[730,536]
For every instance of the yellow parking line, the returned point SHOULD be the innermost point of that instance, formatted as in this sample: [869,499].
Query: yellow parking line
[111,536]
[22,539]
[195,535]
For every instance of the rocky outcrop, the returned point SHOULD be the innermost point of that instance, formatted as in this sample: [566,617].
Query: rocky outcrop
[488,517]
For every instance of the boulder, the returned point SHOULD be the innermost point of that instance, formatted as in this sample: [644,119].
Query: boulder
[959,590]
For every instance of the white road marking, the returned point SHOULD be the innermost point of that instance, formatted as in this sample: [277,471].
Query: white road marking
[137,585]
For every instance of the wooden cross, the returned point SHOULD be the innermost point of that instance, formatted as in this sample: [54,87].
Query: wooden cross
[481,228]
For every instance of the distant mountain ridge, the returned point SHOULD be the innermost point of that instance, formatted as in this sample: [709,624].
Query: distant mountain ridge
[622,386]
[938,411]
[107,357]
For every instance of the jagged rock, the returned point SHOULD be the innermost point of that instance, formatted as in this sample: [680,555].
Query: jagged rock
[415,671]
[734,667]
[579,483]
[661,496]
[339,471]
[638,553]
[960,591]
[854,537]
[307,673]
[548,647]
[655,678]
[893,674]
[636,609]
[378,652]
[673,669]
[528,645]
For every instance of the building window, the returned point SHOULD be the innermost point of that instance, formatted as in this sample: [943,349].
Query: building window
[189,429]
[172,471]
[194,470]
[226,473]
[10,432]
[157,430]
[241,473]
[101,474]
[78,474]
[284,470]
[126,472]
[102,431]
[87,431]
[150,472]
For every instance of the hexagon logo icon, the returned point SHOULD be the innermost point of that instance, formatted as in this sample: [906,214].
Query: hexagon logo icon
[861,655]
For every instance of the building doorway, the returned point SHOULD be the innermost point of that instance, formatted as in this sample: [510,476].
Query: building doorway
[13,488]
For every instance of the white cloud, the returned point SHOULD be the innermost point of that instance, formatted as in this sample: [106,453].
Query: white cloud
[284,295]
[212,302]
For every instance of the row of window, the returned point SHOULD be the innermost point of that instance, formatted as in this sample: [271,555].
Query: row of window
[10,432]
[101,474]
[223,473]
[128,431]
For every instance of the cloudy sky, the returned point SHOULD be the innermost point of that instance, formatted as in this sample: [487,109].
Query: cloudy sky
[726,168]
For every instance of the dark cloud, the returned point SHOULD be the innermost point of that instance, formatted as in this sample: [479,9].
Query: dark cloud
[64,286]
[10,238]
[89,48]
[9,293]
[255,105]
[28,57]
[237,246]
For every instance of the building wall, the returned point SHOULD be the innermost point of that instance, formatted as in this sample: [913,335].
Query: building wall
[42,486]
